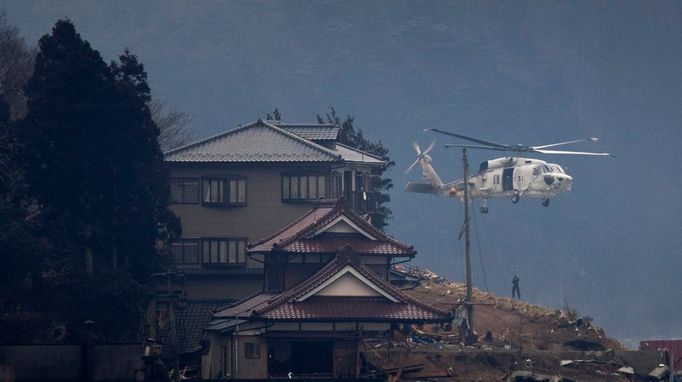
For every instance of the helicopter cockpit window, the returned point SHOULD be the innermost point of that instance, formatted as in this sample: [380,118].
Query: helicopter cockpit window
[558,168]
[537,170]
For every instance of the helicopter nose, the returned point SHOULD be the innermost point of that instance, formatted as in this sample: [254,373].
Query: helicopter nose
[564,181]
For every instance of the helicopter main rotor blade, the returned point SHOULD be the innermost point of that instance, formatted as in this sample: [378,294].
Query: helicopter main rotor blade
[412,166]
[559,152]
[476,140]
[448,145]
[565,143]
[429,148]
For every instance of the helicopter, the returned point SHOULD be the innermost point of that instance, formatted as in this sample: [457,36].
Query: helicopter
[512,176]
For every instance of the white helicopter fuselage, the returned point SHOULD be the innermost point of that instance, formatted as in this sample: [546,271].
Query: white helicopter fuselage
[503,177]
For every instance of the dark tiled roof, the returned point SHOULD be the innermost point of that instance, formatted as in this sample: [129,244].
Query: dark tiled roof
[287,307]
[221,272]
[333,243]
[353,308]
[296,237]
[313,132]
[243,308]
[263,142]
[191,321]
[255,142]
[350,154]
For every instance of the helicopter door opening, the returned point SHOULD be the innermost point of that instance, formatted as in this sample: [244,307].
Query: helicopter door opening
[508,179]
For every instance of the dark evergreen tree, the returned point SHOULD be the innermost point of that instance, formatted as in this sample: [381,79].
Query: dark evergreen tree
[97,176]
[348,135]
[19,250]
[275,116]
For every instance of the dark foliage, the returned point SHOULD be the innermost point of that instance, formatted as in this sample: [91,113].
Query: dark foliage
[348,135]
[97,180]
[275,116]
[20,252]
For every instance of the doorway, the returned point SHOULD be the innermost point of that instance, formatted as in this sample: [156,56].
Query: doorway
[300,357]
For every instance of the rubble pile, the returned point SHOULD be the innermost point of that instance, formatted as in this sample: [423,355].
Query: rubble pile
[517,341]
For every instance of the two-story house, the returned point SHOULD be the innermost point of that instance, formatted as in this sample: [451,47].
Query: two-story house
[246,183]
[234,188]
[326,288]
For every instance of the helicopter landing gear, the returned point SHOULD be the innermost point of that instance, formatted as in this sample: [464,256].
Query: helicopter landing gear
[545,202]
[515,198]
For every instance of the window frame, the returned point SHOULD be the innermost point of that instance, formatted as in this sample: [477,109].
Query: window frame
[226,194]
[251,350]
[186,240]
[286,195]
[218,263]
[183,201]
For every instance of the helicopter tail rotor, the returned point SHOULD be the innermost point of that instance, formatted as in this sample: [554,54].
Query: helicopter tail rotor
[420,154]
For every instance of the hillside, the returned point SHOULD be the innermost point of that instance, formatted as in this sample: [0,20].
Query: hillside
[517,341]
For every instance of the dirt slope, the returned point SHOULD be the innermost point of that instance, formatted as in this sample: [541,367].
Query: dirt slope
[516,323]
[517,341]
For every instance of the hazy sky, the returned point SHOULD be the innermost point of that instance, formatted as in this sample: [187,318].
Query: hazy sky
[507,71]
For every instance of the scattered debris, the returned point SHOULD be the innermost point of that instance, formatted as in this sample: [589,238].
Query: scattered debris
[660,372]
[581,344]
[527,376]
[519,342]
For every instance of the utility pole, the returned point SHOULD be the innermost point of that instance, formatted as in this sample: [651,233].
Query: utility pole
[469,302]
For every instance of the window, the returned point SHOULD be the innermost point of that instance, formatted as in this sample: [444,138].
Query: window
[186,251]
[304,187]
[223,251]
[336,184]
[496,179]
[184,190]
[230,191]
[251,350]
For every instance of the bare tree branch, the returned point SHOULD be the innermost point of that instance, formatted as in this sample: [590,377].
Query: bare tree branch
[16,67]
[173,125]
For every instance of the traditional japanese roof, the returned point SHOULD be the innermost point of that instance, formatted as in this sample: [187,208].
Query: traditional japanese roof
[319,132]
[329,229]
[243,308]
[191,321]
[325,296]
[263,142]
[350,154]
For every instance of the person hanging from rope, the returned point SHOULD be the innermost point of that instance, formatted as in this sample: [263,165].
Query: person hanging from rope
[516,291]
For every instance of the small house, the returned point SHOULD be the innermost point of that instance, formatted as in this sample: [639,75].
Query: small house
[325,288]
